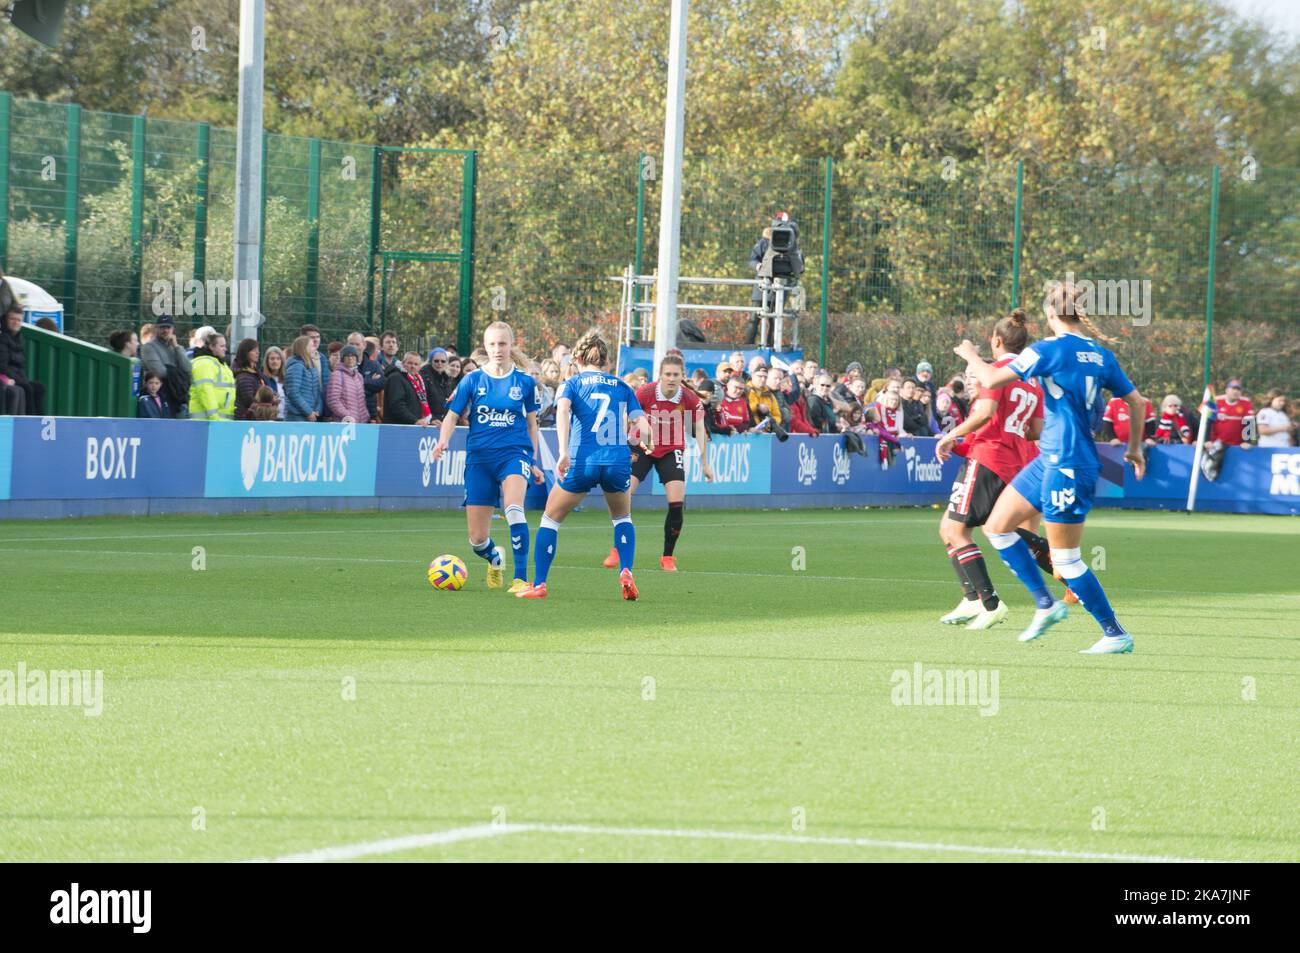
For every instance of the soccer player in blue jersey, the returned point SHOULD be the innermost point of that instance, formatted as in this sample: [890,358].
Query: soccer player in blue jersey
[1072,369]
[498,402]
[592,412]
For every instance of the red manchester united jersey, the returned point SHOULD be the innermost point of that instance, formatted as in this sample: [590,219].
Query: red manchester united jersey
[1232,420]
[1117,415]
[671,419]
[1002,444]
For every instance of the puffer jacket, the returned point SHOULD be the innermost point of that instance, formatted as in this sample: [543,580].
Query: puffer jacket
[346,395]
[247,383]
[765,399]
[303,390]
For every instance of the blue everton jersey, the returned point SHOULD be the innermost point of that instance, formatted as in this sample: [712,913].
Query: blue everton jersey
[496,410]
[597,432]
[1072,369]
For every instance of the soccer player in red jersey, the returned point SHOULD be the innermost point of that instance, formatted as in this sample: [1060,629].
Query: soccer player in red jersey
[673,409]
[1115,423]
[1003,424]
[1234,418]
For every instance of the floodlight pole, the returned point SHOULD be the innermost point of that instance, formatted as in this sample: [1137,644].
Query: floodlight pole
[670,206]
[246,308]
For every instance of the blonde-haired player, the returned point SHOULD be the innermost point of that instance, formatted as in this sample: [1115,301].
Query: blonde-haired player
[498,402]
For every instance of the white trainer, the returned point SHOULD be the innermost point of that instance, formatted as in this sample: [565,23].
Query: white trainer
[966,610]
[988,618]
[1110,645]
[1044,619]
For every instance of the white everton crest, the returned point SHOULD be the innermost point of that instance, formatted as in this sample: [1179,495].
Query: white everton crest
[516,393]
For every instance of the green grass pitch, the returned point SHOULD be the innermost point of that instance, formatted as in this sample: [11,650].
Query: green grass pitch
[308,693]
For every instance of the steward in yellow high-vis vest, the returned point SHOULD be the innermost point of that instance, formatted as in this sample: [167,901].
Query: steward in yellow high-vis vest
[212,382]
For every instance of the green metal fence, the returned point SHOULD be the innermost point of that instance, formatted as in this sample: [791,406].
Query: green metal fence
[1197,282]
[903,257]
[124,217]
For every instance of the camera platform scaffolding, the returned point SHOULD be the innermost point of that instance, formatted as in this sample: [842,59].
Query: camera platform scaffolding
[782,300]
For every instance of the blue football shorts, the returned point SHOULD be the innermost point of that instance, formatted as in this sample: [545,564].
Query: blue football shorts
[610,477]
[484,474]
[1061,494]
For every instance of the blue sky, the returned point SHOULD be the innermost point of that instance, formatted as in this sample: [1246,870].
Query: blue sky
[1281,15]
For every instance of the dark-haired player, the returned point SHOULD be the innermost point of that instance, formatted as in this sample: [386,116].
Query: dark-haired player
[673,409]
[1073,370]
[592,413]
[1003,424]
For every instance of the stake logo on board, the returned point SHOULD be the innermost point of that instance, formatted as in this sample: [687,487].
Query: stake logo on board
[807,474]
[841,465]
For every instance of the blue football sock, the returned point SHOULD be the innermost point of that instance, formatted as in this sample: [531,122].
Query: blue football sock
[625,541]
[518,539]
[485,549]
[1087,587]
[1015,553]
[548,537]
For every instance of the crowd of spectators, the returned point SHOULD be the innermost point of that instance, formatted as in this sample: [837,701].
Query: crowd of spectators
[802,397]
[366,379]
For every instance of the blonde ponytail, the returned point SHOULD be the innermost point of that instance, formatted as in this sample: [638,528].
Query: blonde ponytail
[1092,329]
[1063,302]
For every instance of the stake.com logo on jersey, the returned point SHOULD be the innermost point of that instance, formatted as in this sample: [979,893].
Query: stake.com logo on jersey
[487,417]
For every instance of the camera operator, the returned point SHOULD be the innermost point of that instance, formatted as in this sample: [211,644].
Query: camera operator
[756,255]
[775,255]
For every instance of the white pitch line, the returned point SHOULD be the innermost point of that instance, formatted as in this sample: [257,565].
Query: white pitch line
[856,842]
[394,844]
[190,534]
[481,831]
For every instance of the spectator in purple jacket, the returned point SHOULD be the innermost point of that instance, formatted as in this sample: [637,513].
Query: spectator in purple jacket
[345,394]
